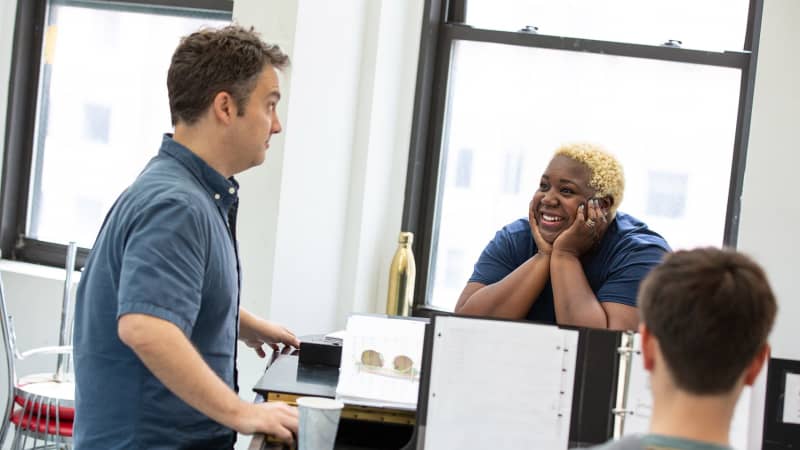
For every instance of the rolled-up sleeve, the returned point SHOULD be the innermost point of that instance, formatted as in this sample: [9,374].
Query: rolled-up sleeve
[510,248]
[163,263]
[627,273]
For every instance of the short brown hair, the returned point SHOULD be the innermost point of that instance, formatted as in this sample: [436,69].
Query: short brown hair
[211,61]
[711,311]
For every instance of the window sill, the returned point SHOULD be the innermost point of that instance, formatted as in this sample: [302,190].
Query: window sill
[36,270]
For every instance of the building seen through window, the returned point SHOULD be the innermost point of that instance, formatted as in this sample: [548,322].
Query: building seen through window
[512,173]
[464,168]
[96,122]
[666,194]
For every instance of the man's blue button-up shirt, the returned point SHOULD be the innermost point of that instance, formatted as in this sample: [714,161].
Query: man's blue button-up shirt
[166,250]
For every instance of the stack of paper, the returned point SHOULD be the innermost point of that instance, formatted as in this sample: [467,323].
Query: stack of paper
[381,362]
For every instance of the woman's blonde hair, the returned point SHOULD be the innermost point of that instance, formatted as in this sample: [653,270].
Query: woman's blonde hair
[606,175]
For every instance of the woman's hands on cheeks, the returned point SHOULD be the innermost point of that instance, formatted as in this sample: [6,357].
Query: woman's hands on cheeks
[543,246]
[584,232]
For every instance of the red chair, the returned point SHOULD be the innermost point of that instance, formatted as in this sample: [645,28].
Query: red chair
[41,406]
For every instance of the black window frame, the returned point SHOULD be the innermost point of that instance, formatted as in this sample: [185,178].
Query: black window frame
[443,23]
[21,114]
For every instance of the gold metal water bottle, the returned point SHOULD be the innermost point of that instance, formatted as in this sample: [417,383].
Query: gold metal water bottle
[401,277]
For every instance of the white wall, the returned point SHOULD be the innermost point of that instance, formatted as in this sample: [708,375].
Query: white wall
[768,229]
[33,297]
[320,218]
[321,105]
[770,219]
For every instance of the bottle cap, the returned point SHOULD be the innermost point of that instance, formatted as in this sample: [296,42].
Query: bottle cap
[406,237]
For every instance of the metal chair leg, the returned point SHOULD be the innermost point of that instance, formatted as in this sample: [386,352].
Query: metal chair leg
[34,436]
[38,402]
[47,420]
[58,424]
[28,400]
[15,442]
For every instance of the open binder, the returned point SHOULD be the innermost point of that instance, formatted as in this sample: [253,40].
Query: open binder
[489,383]
[495,384]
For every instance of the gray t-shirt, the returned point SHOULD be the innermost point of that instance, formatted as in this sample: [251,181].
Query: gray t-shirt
[657,442]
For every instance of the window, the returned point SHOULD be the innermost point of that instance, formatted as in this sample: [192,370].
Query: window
[88,105]
[666,87]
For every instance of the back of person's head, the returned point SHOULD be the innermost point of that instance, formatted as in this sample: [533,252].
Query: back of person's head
[210,61]
[711,311]
[607,177]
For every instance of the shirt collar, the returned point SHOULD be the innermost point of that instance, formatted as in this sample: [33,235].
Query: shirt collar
[223,191]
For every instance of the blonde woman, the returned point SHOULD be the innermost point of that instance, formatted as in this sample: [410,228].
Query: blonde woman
[575,260]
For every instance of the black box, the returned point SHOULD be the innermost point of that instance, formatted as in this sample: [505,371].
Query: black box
[320,350]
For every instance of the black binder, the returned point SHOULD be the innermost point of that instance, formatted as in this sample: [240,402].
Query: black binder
[595,392]
[779,435]
[600,355]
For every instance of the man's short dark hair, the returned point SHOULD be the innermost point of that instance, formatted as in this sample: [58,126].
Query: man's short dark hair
[711,311]
[211,61]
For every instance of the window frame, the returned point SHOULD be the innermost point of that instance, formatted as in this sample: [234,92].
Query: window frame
[443,23]
[21,115]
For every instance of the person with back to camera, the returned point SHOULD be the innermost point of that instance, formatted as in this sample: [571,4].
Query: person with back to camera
[576,260]
[706,315]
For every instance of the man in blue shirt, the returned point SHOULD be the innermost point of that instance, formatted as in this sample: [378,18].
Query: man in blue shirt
[575,260]
[157,313]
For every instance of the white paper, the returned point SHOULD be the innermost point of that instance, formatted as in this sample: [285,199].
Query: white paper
[791,399]
[640,397]
[640,402]
[391,338]
[498,384]
[336,335]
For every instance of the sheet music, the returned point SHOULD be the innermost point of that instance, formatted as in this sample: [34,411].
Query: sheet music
[640,403]
[497,384]
[381,385]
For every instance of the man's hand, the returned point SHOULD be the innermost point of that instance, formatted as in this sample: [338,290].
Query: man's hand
[256,332]
[273,418]
[584,233]
[543,246]
[171,357]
